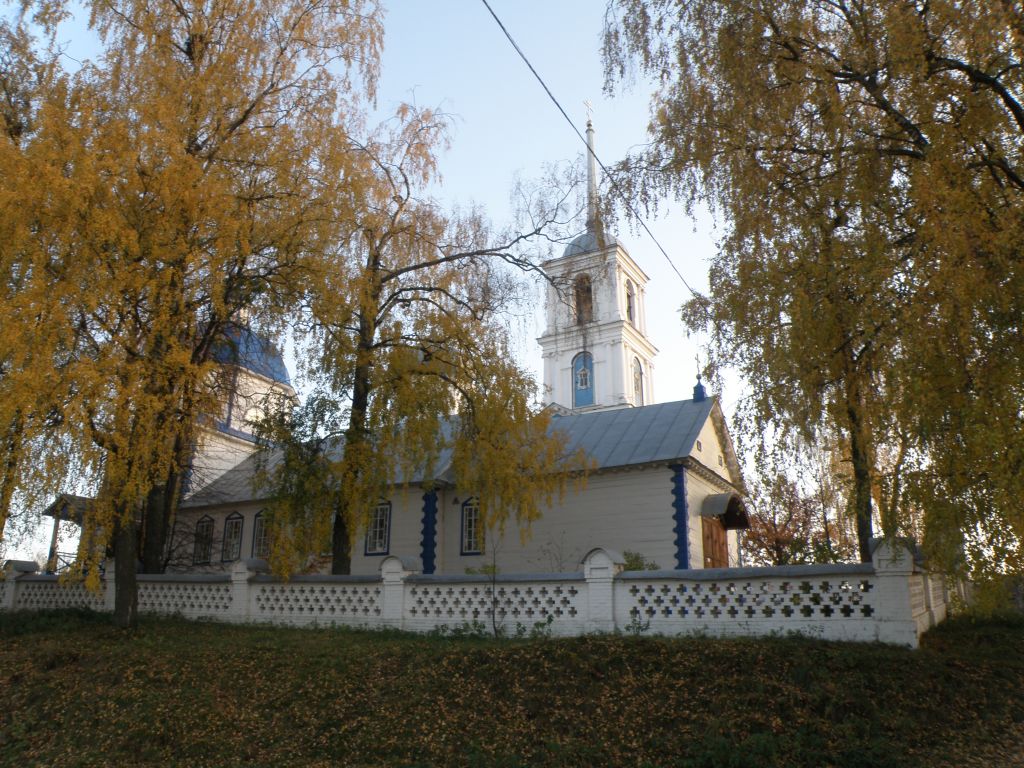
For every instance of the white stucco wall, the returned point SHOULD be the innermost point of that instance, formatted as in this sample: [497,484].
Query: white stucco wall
[620,510]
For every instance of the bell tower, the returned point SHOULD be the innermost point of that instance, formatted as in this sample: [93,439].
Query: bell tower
[595,347]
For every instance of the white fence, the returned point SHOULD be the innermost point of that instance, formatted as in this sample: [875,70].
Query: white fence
[888,600]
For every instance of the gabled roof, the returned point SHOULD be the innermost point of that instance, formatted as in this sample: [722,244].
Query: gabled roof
[628,436]
[68,506]
[624,437]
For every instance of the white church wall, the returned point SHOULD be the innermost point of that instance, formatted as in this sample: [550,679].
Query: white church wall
[215,454]
[183,537]
[251,395]
[405,534]
[710,452]
[629,510]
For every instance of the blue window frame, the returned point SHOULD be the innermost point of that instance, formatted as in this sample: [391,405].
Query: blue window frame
[472,533]
[582,380]
[378,530]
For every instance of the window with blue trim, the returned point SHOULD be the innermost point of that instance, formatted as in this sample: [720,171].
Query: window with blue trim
[378,531]
[582,380]
[203,548]
[232,547]
[472,528]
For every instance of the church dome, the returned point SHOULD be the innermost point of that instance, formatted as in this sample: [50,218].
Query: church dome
[589,241]
[241,347]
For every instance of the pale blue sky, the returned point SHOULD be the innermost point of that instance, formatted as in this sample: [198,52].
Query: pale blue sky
[451,54]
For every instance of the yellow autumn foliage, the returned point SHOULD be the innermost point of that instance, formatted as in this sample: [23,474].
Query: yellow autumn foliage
[867,159]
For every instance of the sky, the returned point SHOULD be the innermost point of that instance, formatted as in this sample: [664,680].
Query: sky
[451,55]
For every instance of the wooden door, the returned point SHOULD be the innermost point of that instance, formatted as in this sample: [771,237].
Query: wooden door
[716,549]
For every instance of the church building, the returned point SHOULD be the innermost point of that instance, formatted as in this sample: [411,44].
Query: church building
[665,481]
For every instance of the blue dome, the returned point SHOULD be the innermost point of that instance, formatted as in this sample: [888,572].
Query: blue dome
[589,241]
[240,346]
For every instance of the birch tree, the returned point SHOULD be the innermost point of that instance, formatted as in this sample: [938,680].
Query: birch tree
[190,171]
[409,340]
[867,159]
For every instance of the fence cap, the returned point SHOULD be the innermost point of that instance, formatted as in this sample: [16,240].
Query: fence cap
[898,554]
[398,567]
[257,565]
[602,563]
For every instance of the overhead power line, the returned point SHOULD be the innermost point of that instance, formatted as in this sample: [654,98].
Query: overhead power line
[615,187]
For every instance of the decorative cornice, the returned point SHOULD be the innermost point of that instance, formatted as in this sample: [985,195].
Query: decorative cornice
[706,473]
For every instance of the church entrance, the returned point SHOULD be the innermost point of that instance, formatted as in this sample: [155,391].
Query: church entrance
[716,549]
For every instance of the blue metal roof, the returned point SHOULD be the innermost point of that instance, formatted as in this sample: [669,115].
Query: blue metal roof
[664,432]
[240,346]
[629,436]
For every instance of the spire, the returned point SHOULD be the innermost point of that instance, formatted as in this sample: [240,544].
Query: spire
[699,393]
[592,220]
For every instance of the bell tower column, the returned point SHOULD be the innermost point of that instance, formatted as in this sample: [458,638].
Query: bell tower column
[595,336]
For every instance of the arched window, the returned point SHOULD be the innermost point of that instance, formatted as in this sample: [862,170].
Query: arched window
[582,380]
[260,537]
[584,299]
[630,302]
[472,528]
[232,547]
[638,382]
[203,548]
[378,532]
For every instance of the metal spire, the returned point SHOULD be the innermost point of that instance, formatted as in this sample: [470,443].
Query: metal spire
[592,219]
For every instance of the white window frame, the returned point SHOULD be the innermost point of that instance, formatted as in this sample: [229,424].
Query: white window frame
[260,537]
[378,530]
[231,548]
[472,532]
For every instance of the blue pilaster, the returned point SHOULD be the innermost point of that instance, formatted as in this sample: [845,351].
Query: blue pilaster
[681,516]
[428,544]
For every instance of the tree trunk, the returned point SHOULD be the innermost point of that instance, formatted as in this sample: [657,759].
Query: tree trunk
[860,455]
[341,551]
[356,435]
[126,594]
[154,530]
[161,507]
[9,480]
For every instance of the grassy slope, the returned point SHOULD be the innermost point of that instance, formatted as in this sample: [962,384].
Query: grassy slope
[77,692]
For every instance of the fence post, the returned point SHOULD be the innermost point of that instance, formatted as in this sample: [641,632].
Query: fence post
[9,584]
[241,589]
[600,567]
[109,584]
[393,573]
[899,588]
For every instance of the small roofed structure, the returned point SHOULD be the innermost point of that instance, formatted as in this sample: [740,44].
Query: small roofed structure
[70,507]
[728,508]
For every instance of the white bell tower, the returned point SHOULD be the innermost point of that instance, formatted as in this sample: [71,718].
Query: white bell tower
[595,346]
